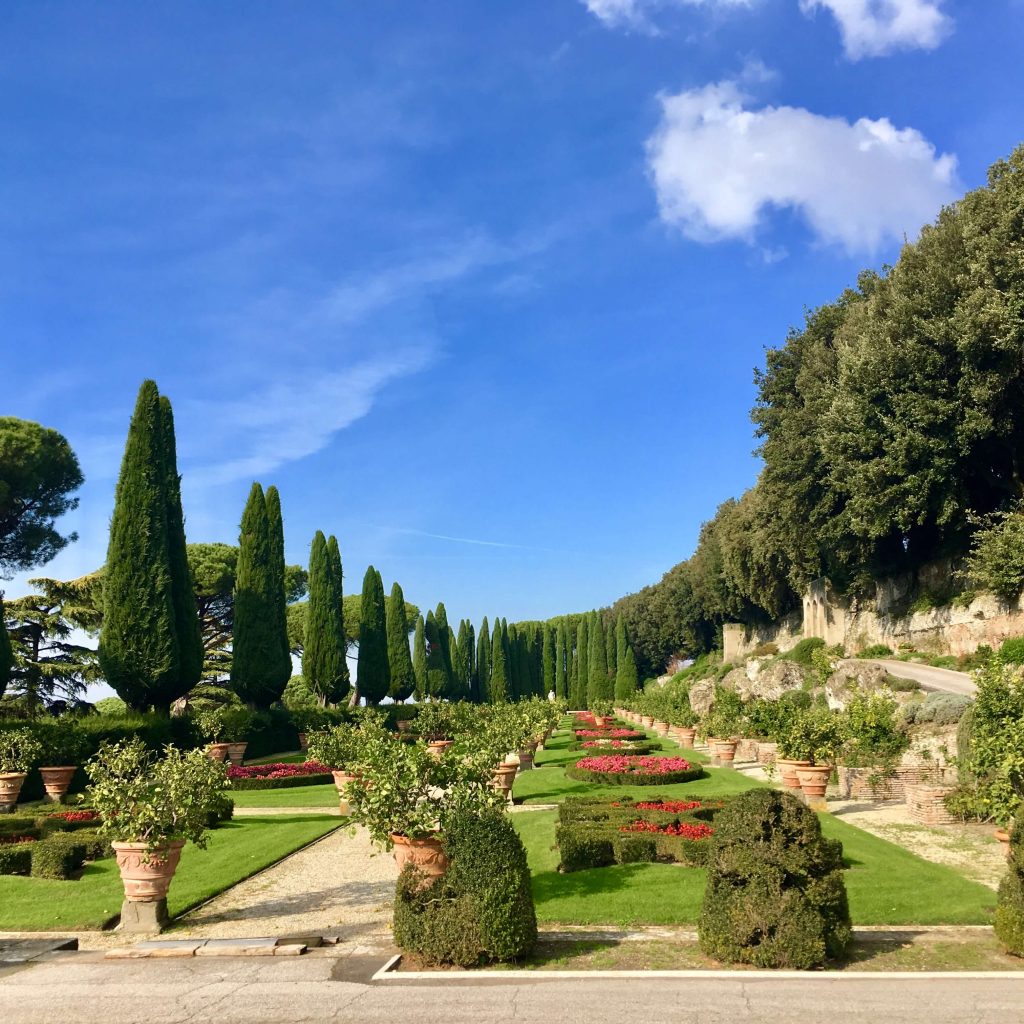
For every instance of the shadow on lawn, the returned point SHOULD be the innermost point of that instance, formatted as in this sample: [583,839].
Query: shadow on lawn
[549,885]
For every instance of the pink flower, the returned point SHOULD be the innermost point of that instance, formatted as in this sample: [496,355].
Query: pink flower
[623,764]
[277,771]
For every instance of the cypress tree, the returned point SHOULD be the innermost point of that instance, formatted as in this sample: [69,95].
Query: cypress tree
[255,643]
[324,644]
[276,524]
[627,680]
[610,658]
[463,659]
[451,688]
[139,649]
[499,689]
[597,678]
[186,614]
[620,642]
[483,662]
[561,688]
[419,659]
[373,676]
[572,667]
[582,661]
[437,677]
[472,690]
[403,681]
[338,591]
[515,664]
[7,651]
[549,660]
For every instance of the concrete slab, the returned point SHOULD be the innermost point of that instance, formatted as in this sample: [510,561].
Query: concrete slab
[18,951]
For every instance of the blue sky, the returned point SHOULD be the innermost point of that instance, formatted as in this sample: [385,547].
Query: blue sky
[479,285]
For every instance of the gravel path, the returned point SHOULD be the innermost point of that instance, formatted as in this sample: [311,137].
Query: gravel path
[341,886]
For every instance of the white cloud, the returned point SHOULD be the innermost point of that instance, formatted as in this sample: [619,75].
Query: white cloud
[718,165]
[636,14]
[873,28]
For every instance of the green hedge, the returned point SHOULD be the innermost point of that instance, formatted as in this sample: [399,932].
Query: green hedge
[288,782]
[630,747]
[16,859]
[629,779]
[1009,921]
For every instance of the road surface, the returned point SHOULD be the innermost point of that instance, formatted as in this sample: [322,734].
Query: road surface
[82,989]
[943,679]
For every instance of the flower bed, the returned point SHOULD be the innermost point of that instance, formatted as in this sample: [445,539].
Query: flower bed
[610,733]
[634,769]
[278,776]
[595,833]
[640,746]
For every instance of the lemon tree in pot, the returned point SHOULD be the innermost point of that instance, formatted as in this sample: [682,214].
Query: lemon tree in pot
[404,795]
[237,721]
[812,741]
[64,748]
[19,750]
[211,723]
[339,748]
[150,806]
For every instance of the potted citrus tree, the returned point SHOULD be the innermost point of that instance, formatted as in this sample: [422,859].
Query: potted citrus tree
[338,749]
[150,806]
[65,747]
[210,722]
[19,750]
[811,742]
[237,720]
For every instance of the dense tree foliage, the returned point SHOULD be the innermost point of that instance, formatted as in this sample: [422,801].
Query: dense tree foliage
[38,475]
[373,674]
[149,646]
[323,641]
[483,662]
[6,650]
[275,523]
[419,658]
[403,679]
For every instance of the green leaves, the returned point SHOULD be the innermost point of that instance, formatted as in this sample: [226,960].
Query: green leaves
[19,750]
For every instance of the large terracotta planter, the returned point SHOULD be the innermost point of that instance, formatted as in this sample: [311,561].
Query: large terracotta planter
[686,736]
[341,780]
[504,776]
[147,872]
[725,751]
[438,747]
[303,742]
[599,721]
[648,721]
[426,855]
[1003,836]
[788,771]
[766,753]
[525,759]
[56,782]
[217,751]
[661,728]
[236,753]
[814,780]
[405,725]
[10,787]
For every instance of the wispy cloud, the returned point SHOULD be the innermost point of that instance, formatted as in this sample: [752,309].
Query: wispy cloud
[462,540]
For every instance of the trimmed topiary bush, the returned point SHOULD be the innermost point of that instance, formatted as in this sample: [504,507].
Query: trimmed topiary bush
[1009,921]
[803,652]
[775,895]
[58,856]
[481,910]
[16,858]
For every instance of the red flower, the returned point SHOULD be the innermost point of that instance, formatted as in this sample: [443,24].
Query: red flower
[74,815]
[277,771]
[669,806]
[682,829]
[622,764]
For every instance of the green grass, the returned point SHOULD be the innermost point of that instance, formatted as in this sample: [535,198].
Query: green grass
[235,851]
[886,884]
[325,795]
[291,757]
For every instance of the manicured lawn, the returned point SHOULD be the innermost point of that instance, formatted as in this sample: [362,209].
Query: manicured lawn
[886,884]
[236,850]
[325,795]
[291,757]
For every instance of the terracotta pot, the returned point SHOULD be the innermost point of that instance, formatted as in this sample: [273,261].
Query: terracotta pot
[504,776]
[303,742]
[599,720]
[236,753]
[217,751]
[648,721]
[661,728]
[57,781]
[405,725]
[814,779]
[686,737]
[341,780]
[426,855]
[438,747]
[10,787]
[788,771]
[525,760]
[766,753]
[726,751]
[1004,837]
[147,872]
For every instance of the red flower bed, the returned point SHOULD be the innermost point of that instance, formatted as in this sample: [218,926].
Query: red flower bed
[682,829]
[75,816]
[603,745]
[610,734]
[636,764]
[15,840]
[277,771]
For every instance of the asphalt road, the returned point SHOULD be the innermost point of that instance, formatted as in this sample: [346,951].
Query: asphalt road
[930,678]
[296,990]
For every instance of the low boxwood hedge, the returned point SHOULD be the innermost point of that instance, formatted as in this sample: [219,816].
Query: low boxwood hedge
[633,779]
[284,783]
[16,858]
[628,747]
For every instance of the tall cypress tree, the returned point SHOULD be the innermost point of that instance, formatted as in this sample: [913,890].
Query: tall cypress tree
[463,658]
[500,689]
[403,681]
[597,678]
[437,676]
[373,676]
[473,692]
[515,691]
[139,648]
[419,659]
[324,643]
[549,660]
[620,642]
[582,662]
[451,689]
[561,687]
[276,525]
[255,642]
[610,658]
[338,590]
[186,615]
[6,651]
[483,662]
[627,679]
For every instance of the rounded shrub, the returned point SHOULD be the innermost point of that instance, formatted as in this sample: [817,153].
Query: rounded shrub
[803,652]
[1012,651]
[1009,921]
[775,895]
[481,910]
